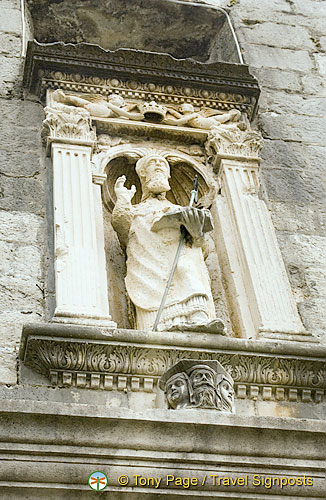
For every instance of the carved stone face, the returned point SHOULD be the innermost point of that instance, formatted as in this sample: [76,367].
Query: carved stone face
[202,376]
[227,391]
[117,100]
[157,174]
[187,108]
[177,392]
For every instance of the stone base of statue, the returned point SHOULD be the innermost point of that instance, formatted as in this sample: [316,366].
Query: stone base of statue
[215,326]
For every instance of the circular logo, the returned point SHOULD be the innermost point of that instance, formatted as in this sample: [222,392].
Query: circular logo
[97,481]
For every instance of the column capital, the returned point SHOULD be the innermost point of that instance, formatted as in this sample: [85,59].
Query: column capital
[68,125]
[231,143]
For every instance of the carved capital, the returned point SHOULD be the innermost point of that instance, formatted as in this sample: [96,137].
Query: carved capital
[68,124]
[229,141]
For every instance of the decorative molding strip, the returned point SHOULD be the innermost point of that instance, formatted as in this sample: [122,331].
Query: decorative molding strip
[109,365]
[85,68]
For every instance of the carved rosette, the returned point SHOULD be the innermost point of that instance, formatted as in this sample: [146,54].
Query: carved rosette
[67,123]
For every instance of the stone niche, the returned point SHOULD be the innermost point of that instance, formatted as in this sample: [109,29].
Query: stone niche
[104,112]
[184,31]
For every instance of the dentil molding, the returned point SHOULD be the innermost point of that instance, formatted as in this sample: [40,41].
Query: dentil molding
[129,360]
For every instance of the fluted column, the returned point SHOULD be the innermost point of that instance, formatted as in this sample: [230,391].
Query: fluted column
[260,290]
[80,273]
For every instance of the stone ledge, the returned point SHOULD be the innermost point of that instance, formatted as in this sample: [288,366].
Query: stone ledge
[70,441]
[130,360]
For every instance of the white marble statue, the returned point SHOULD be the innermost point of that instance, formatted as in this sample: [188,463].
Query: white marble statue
[205,119]
[115,107]
[150,231]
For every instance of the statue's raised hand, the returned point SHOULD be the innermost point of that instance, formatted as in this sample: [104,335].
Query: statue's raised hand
[123,194]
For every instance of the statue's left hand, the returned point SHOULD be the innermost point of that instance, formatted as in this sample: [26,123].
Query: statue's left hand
[194,220]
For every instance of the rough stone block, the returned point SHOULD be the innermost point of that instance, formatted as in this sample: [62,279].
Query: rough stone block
[313,84]
[294,218]
[10,44]
[10,68]
[21,194]
[293,186]
[313,316]
[273,78]
[20,139]
[20,261]
[315,278]
[23,113]
[18,227]
[321,63]
[18,164]
[303,250]
[293,127]
[277,35]
[10,20]
[281,102]
[256,14]
[8,366]
[310,8]
[21,294]
[322,42]
[284,154]
[273,57]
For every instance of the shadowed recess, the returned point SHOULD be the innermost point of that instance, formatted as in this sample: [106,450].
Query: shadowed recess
[182,31]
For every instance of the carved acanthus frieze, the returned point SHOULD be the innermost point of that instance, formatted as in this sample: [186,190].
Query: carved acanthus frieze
[164,94]
[108,366]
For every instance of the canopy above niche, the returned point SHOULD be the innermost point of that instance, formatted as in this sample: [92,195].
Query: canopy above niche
[183,31]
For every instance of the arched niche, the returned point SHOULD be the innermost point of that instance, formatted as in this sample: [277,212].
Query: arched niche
[121,160]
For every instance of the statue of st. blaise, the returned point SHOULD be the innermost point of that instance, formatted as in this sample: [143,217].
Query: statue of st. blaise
[150,231]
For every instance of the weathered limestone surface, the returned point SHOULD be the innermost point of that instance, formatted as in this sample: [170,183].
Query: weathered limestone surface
[70,441]
[284,44]
[22,205]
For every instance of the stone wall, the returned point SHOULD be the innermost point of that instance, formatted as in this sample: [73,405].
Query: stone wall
[284,44]
[22,204]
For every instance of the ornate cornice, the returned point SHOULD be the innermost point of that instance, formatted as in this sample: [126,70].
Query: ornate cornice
[89,68]
[113,364]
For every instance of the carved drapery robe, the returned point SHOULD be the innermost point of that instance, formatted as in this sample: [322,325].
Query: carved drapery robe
[150,256]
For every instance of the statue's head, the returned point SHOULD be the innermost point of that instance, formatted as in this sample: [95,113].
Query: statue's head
[203,382]
[202,375]
[225,391]
[192,383]
[154,173]
[187,108]
[117,100]
[177,391]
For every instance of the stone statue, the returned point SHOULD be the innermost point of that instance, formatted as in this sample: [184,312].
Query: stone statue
[205,119]
[97,106]
[198,384]
[150,231]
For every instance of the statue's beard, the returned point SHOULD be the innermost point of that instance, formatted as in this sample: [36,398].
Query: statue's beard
[204,397]
[158,184]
